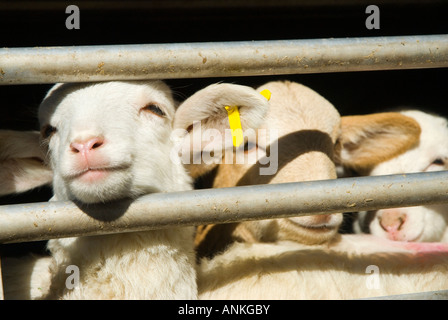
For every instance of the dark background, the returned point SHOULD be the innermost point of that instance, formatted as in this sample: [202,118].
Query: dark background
[42,23]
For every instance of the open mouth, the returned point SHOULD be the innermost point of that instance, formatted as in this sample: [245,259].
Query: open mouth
[320,224]
[311,232]
[316,228]
[323,227]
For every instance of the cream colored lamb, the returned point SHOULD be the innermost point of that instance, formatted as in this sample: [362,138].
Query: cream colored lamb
[429,152]
[298,137]
[351,267]
[105,142]
[21,168]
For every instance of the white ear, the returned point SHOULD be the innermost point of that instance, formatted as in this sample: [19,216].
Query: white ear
[204,123]
[368,140]
[22,165]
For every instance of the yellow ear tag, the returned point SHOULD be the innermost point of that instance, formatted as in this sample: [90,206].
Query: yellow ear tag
[235,121]
[235,125]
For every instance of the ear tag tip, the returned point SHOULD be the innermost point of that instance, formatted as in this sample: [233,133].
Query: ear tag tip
[266,93]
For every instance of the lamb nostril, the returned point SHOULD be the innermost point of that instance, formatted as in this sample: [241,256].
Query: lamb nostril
[76,147]
[401,221]
[97,145]
[94,143]
[392,220]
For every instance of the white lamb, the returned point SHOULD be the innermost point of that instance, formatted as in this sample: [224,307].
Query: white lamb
[109,141]
[429,152]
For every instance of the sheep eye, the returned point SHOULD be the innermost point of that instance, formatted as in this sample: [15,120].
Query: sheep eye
[439,162]
[47,131]
[248,146]
[153,108]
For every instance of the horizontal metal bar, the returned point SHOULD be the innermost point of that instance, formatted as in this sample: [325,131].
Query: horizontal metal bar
[219,59]
[1,281]
[430,295]
[39,221]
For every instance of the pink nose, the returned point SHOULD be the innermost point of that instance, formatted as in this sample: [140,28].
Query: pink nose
[392,220]
[86,146]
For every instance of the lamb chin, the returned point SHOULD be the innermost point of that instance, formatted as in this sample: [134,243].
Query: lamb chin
[116,185]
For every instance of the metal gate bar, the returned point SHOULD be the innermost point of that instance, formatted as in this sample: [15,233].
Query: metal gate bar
[220,59]
[1,281]
[39,221]
[429,295]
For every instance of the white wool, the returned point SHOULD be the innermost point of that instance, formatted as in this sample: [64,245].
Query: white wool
[352,267]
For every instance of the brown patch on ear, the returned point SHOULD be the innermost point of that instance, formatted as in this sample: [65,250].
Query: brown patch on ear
[368,140]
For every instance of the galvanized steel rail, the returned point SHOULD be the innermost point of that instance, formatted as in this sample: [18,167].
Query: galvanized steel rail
[1,281]
[429,295]
[38,221]
[220,59]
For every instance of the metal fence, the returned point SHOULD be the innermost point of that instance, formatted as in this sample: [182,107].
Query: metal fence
[30,222]
[224,59]
[40,221]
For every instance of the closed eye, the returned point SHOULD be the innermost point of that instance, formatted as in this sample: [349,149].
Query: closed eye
[47,131]
[436,165]
[249,146]
[153,108]
[439,162]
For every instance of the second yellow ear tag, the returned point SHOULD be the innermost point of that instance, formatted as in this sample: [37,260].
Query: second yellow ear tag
[266,93]
[235,122]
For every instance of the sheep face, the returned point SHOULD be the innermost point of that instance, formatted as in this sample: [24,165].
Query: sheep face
[423,223]
[306,127]
[108,140]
